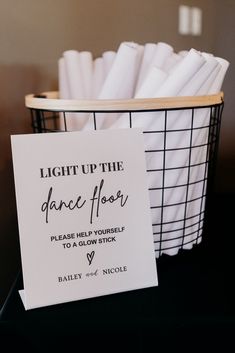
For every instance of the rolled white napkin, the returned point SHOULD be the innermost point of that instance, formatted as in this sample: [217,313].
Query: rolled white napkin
[108,58]
[148,53]
[68,121]
[73,69]
[139,60]
[214,82]
[153,80]
[206,86]
[119,83]
[86,68]
[216,86]
[200,77]
[162,52]
[183,53]
[207,55]
[63,80]
[122,70]
[182,74]
[65,122]
[74,121]
[173,60]
[155,55]
[98,77]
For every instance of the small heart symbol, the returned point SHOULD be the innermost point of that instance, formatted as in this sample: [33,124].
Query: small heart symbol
[90,256]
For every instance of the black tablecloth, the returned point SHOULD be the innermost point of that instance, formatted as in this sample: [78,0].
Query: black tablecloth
[192,309]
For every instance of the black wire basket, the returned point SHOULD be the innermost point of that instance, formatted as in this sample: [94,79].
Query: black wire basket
[181,143]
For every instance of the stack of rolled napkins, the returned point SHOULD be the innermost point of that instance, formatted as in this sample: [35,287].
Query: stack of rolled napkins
[154,71]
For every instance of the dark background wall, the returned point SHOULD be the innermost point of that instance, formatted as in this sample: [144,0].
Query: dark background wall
[223,44]
[33,35]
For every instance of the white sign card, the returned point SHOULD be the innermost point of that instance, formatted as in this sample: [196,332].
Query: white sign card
[83,214]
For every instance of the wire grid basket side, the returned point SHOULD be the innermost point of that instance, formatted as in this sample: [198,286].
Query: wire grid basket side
[181,146]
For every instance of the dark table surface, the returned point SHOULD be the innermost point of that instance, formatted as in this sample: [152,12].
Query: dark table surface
[192,309]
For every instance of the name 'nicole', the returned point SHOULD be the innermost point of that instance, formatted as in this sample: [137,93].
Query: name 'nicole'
[96,202]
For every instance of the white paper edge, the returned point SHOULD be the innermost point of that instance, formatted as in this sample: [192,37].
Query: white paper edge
[22,296]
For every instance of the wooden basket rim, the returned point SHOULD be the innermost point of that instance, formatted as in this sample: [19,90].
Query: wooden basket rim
[50,101]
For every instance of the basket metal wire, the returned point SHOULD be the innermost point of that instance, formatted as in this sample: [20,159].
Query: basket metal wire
[179,181]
